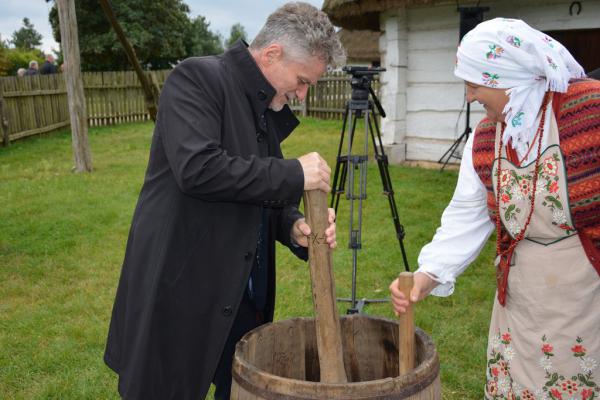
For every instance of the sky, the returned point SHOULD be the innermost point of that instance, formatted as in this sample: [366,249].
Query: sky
[222,14]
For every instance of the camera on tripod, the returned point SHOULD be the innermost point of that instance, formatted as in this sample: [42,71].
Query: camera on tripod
[362,77]
[361,80]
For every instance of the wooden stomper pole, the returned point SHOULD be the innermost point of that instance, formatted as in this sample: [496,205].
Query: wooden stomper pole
[406,338]
[329,333]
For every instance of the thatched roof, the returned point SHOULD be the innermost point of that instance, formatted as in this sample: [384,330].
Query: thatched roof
[364,14]
[361,45]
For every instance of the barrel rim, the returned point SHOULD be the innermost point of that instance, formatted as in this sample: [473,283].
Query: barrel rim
[413,382]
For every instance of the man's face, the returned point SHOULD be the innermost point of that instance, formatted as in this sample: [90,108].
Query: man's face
[291,78]
[492,99]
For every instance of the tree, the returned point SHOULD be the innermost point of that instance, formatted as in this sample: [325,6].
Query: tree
[157,31]
[237,32]
[202,41]
[27,37]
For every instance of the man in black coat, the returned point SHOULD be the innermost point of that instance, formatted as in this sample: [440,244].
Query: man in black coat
[199,267]
[48,67]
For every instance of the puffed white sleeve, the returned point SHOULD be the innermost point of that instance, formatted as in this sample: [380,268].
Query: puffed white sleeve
[465,228]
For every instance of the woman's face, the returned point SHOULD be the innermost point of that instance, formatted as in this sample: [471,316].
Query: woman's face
[492,99]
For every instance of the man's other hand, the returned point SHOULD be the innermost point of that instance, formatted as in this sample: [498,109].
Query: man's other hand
[301,231]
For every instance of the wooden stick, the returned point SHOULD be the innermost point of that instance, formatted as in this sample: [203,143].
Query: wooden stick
[329,337]
[150,90]
[406,339]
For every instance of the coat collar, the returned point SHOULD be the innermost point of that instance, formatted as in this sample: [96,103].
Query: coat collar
[257,88]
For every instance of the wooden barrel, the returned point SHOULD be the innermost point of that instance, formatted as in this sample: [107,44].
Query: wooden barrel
[280,361]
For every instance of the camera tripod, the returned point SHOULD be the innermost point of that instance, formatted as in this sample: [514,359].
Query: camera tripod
[353,168]
[451,152]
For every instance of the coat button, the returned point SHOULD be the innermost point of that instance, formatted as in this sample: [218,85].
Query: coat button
[227,311]
[262,95]
[259,137]
[248,256]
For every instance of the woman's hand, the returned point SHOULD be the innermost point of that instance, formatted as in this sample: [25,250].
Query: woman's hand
[422,286]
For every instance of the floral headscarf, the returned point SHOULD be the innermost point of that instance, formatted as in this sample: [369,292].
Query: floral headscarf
[509,54]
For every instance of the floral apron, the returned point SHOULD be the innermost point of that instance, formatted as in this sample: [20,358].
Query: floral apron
[545,342]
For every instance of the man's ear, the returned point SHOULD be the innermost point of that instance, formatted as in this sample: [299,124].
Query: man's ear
[271,54]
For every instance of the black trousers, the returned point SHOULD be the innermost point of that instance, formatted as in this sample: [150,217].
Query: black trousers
[246,319]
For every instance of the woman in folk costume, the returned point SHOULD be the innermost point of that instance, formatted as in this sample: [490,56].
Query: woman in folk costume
[531,171]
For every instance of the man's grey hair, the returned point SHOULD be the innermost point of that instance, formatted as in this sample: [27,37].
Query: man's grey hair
[303,30]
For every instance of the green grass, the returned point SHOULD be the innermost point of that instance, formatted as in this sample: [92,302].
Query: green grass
[62,239]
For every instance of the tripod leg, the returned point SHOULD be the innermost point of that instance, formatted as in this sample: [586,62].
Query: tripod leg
[450,152]
[356,192]
[340,166]
[388,191]
[344,162]
[465,135]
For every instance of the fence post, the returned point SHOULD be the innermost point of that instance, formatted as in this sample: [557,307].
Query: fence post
[3,119]
[76,98]
[305,103]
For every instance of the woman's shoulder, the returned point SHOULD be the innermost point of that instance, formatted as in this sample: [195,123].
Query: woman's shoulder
[583,95]
[583,87]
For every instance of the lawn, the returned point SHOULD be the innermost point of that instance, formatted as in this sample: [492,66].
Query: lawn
[62,239]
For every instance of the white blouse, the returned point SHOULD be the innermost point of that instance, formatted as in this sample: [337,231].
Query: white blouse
[465,224]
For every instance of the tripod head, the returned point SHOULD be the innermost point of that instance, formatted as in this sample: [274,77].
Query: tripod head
[362,77]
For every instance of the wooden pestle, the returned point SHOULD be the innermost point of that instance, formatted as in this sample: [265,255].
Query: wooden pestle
[406,338]
[327,321]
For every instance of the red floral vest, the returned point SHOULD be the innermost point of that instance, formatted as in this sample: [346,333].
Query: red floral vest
[578,117]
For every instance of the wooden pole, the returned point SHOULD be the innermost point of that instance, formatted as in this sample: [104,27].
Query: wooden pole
[150,91]
[305,104]
[3,119]
[70,46]
[329,332]
[406,341]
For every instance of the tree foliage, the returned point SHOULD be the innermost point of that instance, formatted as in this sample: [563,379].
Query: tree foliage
[13,58]
[27,37]
[237,32]
[161,32]
[202,41]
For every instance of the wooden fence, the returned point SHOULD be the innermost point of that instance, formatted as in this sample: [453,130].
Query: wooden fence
[37,104]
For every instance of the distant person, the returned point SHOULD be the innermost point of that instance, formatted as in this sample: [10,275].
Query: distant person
[21,72]
[48,67]
[595,74]
[33,68]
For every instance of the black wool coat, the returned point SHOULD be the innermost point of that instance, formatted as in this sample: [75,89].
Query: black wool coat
[193,237]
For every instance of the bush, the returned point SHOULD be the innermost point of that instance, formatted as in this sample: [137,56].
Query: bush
[13,59]
[4,64]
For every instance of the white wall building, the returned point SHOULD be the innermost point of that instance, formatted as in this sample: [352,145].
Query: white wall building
[424,101]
